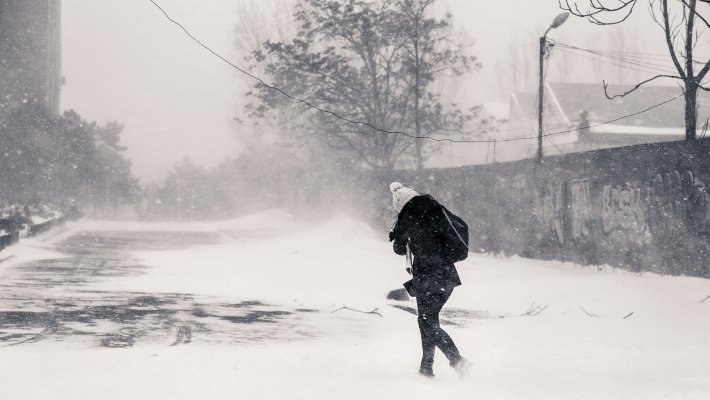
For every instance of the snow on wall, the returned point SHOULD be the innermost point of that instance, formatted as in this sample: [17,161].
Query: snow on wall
[642,207]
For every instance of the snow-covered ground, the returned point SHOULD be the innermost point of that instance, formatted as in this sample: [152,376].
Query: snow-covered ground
[599,333]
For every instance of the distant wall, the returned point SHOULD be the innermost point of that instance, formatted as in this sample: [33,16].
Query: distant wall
[638,207]
[30,45]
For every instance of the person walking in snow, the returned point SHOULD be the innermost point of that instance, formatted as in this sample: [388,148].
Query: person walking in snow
[419,230]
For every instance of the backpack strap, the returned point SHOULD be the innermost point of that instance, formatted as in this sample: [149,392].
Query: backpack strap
[408,260]
[452,226]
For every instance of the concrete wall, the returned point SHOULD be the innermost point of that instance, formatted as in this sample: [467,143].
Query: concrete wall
[30,49]
[638,207]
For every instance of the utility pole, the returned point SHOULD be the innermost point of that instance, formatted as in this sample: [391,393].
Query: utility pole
[108,192]
[540,96]
[559,20]
[488,149]
[192,201]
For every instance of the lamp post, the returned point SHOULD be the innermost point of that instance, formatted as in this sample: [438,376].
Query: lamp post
[559,20]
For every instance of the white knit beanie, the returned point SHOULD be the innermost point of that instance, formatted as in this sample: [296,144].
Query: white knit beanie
[401,195]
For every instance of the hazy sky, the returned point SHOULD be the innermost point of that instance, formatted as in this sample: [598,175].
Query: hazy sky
[124,61]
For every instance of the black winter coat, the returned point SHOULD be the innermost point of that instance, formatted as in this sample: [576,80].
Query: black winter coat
[421,223]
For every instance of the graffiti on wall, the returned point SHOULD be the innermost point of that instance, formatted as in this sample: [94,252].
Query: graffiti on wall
[623,215]
[580,209]
[549,209]
[676,202]
[552,203]
[622,208]
[671,203]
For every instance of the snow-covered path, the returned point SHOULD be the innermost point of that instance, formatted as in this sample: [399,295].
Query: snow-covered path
[579,346]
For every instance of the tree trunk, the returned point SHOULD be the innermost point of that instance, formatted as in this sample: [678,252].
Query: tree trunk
[417,94]
[691,84]
[417,123]
[691,95]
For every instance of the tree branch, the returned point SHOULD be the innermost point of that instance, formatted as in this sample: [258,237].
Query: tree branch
[652,10]
[374,311]
[588,313]
[606,85]
[535,309]
[669,40]
[702,74]
[689,23]
[597,8]
[697,14]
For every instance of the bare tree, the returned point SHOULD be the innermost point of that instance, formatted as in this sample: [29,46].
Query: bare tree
[618,66]
[367,66]
[517,64]
[563,65]
[519,61]
[259,21]
[623,41]
[682,23]
[430,51]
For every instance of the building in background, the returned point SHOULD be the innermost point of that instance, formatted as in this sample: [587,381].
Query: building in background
[30,53]
[579,117]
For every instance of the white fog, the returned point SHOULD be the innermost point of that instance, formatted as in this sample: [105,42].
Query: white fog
[354,199]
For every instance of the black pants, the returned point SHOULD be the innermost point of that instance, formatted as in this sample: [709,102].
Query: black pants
[428,307]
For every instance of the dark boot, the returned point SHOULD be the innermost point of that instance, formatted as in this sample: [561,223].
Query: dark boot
[426,372]
[462,367]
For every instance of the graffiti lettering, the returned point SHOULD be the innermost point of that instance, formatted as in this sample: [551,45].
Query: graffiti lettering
[675,202]
[629,214]
[581,208]
[622,209]
[550,209]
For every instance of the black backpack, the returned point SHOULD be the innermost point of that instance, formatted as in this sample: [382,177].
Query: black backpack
[456,236]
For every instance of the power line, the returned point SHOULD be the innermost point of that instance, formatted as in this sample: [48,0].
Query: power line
[621,57]
[294,98]
[621,65]
[635,62]
[632,54]
[579,127]
[648,58]
[336,115]
[619,52]
[617,119]
[638,65]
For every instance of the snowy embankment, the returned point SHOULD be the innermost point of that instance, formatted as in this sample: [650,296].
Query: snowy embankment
[589,333]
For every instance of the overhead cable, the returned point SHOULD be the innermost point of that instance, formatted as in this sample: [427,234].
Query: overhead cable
[362,123]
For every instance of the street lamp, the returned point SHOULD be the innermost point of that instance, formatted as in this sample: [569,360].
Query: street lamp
[559,20]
